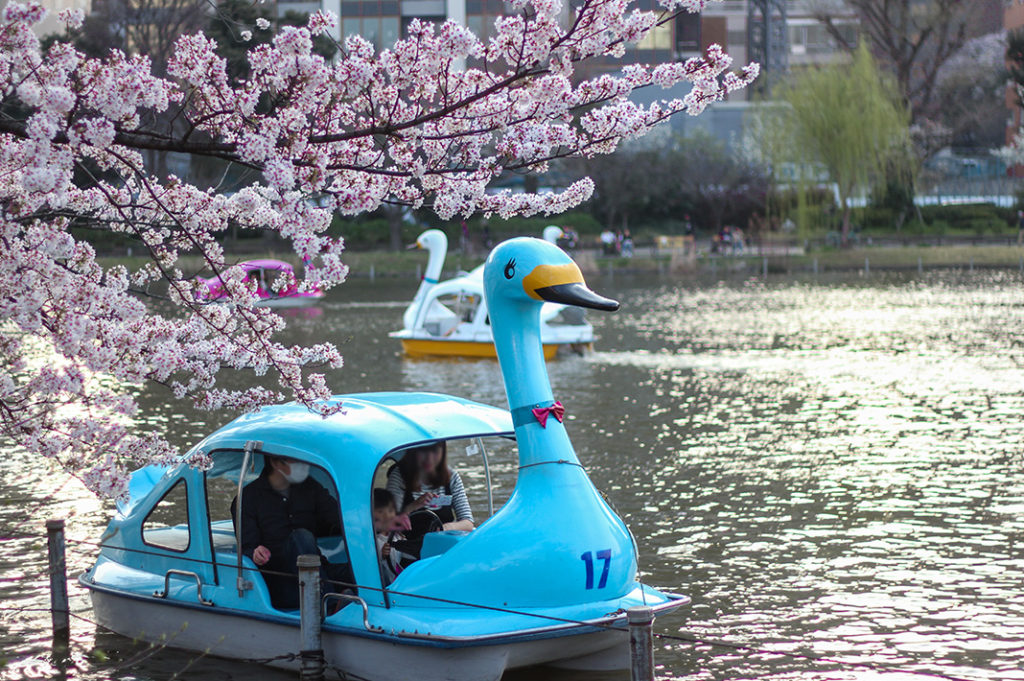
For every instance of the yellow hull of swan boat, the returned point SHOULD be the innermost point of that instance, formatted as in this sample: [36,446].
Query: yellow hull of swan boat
[420,347]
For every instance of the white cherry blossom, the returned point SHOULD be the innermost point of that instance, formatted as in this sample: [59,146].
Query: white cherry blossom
[404,126]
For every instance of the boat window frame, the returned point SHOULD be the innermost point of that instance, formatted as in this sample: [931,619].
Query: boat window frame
[188,516]
[434,296]
[248,461]
[477,438]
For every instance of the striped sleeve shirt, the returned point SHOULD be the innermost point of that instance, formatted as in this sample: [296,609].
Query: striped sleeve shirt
[459,502]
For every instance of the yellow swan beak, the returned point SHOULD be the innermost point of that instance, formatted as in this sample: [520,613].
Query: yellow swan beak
[564,284]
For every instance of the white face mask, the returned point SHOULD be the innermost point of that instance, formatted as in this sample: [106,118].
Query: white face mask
[297,472]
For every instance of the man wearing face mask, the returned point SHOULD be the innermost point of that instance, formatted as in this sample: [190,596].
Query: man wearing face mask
[283,512]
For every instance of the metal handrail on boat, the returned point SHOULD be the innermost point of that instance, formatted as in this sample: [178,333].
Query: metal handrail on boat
[242,583]
[182,573]
[352,599]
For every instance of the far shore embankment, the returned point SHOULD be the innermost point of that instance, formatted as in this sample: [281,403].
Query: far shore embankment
[650,260]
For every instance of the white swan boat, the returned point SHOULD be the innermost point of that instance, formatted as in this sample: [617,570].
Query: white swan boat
[450,318]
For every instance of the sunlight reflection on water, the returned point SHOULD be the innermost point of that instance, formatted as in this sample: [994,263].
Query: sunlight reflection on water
[832,469]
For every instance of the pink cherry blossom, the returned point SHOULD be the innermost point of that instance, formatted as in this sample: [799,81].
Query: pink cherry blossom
[407,125]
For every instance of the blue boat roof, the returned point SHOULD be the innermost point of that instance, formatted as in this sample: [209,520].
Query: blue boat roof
[369,426]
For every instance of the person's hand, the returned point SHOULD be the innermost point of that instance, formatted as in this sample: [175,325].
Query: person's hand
[401,522]
[385,551]
[423,500]
[260,555]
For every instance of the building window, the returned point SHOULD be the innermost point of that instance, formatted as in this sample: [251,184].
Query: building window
[813,38]
[381,31]
[351,26]
[658,38]
[371,31]
[388,31]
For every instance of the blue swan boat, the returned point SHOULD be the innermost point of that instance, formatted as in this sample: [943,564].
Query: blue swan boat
[545,580]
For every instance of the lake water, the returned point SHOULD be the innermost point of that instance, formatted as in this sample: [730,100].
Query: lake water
[831,468]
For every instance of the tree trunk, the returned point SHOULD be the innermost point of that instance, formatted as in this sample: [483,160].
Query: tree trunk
[844,234]
[395,228]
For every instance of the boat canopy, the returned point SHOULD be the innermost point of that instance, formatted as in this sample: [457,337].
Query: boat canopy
[349,444]
[369,426]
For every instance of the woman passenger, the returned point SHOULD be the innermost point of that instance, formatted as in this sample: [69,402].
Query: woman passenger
[422,479]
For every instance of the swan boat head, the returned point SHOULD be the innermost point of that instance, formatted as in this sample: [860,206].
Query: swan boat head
[552,233]
[435,242]
[556,542]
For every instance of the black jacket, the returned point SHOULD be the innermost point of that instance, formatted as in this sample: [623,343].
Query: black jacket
[268,517]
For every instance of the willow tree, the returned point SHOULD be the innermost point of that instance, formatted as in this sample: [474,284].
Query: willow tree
[847,119]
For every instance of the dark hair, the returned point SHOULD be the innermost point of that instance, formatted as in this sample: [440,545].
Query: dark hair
[268,462]
[439,477]
[382,498]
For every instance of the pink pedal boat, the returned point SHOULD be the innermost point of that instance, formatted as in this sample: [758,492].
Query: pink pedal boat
[265,272]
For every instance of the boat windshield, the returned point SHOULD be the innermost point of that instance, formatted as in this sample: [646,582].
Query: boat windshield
[487,466]
[447,311]
[258,276]
[462,304]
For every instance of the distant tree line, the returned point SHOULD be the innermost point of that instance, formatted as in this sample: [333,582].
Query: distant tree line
[661,181]
[928,81]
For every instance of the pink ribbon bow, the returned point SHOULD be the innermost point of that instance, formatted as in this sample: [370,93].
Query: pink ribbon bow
[542,413]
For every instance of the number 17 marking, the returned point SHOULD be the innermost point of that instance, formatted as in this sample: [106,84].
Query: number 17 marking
[588,559]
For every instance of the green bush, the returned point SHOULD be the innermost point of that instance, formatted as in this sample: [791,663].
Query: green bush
[982,218]
[970,218]
[369,233]
[104,240]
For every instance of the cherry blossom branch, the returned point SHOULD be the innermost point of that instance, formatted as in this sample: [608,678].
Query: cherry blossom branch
[399,126]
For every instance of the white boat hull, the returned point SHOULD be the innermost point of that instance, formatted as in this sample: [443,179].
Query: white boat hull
[230,635]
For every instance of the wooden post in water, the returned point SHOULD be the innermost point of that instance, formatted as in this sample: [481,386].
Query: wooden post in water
[972,264]
[60,613]
[311,653]
[372,272]
[641,643]
[764,267]
[867,265]
[815,266]
[920,265]
[419,272]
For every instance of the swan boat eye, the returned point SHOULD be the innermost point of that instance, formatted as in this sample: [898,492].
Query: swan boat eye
[510,269]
